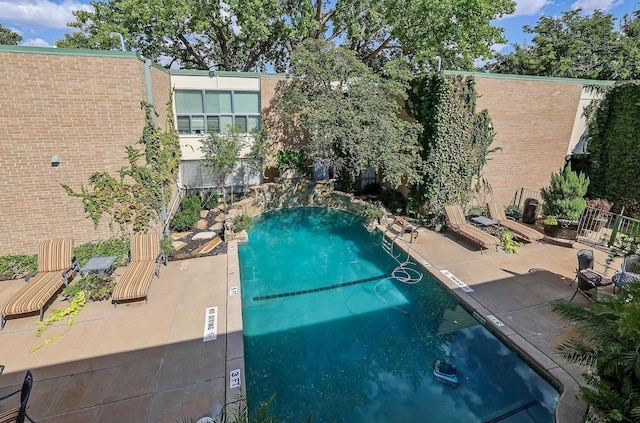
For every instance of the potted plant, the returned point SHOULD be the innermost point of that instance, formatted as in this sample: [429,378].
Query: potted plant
[596,214]
[563,200]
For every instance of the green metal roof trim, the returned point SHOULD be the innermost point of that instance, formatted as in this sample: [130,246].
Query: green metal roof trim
[193,72]
[68,51]
[529,77]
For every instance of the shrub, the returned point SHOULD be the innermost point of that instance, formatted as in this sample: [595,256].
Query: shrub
[599,203]
[94,287]
[241,222]
[476,211]
[292,160]
[209,199]
[17,266]
[369,213]
[167,246]
[563,197]
[393,200]
[110,247]
[188,214]
[513,211]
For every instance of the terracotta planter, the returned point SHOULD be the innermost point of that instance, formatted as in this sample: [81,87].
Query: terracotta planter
[563,230]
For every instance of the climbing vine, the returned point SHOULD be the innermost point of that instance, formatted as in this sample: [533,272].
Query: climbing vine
[133,199]
[613,162]
[455,144]
[76,304]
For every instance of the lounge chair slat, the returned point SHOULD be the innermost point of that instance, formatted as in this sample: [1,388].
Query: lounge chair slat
[496,212]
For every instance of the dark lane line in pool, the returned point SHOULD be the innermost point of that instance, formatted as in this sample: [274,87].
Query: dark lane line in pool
[326,288]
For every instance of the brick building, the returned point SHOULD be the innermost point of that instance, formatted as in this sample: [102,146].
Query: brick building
[83,106]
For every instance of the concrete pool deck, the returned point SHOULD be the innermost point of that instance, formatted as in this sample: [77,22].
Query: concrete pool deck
[147,362]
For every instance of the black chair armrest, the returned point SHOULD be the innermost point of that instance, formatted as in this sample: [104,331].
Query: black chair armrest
[30,275]
[75,267]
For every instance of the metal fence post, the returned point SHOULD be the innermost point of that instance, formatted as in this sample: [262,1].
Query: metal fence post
[616,227]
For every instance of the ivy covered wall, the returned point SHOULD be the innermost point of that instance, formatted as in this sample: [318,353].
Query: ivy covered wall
[613,159]
[456,141]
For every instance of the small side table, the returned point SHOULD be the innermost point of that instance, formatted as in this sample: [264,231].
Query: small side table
[483,221]
[99,266]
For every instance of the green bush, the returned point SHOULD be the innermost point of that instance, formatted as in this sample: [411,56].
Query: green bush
[94,287]
[241,222]
[188,214]
[110,247]
[209,199]
[167,246]
[370,213]
[477,211]
[17,266]
[513,211]
[563,197]
[293,160]
[393,200]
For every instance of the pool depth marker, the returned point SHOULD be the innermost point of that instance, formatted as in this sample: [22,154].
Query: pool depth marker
[210,324]
[457,281]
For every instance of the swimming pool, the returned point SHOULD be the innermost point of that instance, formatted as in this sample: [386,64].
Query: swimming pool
[329,332]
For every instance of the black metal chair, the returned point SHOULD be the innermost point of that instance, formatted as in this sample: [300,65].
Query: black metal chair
[18,414]
[586,277]
[630,270]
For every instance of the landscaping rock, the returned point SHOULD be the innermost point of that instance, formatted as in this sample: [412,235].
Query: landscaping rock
[179,235]
[209,246]
[202,224]
[179,245]
[221,217]
[204,213]
[242,236]
[204,235]
[216,227]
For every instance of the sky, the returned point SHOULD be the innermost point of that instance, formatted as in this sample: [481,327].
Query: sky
[42,22]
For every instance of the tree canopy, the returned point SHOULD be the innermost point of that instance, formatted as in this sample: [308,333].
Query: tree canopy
[8,36]
[347,115]
[577,46]
[252,35]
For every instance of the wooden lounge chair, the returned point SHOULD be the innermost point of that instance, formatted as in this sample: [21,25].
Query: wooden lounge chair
[496,212]
[458,224]
[144,262]
[55,266]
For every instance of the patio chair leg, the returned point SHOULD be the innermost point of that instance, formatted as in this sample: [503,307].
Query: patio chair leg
[4,320]
[41,314]
[574,295]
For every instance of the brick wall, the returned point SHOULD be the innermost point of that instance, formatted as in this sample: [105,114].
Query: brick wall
[84,109]
[533,120]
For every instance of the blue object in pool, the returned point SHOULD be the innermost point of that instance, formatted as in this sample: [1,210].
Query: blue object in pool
[446,372]
[329,331]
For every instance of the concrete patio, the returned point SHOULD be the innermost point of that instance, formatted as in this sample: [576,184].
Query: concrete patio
[147,362]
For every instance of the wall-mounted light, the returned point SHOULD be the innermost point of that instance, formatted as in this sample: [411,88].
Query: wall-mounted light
[55,161]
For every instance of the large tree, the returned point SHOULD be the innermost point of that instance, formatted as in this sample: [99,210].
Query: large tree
[250,35]
[8,36]
[348,116]
[577,46]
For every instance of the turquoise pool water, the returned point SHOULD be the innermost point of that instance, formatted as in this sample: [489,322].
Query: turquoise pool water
[329,332]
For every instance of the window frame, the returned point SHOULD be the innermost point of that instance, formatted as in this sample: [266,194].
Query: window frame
[222,128]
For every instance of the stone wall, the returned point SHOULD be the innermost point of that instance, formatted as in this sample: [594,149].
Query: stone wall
[290,193]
